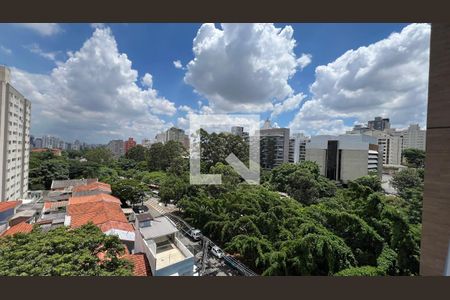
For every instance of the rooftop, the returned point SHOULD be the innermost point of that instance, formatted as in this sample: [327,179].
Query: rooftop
[62,184]
[9,204]
[160,226]
[19,228]
[102,210]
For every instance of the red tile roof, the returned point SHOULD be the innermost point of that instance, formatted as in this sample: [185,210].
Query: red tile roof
[101,186]
[9,204]
[141,265]
[103,210]
[54,204]
[93,198]
[19,228]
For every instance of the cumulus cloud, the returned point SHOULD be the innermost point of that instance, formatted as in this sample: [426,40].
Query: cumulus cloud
[289,104]
[94,95]
[45,29]
[147,80]
[388,78]
[243,67]
[178,64]
[304,60]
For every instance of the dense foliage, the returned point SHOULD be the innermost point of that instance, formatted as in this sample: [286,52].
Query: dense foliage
[296,222]
[63,252]
[414,157]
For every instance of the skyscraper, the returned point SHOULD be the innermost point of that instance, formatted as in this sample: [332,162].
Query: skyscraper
[274,146]
[15,112]
[379,123]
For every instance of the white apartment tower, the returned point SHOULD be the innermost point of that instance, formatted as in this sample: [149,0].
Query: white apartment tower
[414,137]
[15,112]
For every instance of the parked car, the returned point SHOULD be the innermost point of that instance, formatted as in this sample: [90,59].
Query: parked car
[217,252]
[195,234]
[140,209]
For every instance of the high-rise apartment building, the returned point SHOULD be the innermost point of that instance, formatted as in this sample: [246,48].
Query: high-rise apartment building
[15,112]
[117,148]
[173,134]
[345,157]
[274,146]
[414,137]
[298,150]
[130,143]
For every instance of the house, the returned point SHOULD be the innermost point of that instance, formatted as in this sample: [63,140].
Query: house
[68,185]
[158,238]
[92,189]
[104,211]
[7,210]
[18,228]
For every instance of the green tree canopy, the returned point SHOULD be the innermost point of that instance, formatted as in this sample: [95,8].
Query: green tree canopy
[414,157]
[63,252]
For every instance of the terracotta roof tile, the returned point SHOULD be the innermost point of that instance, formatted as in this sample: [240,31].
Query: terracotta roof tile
[141,264]
[19,228]
[94,198]
[92,187]
[102,210]
[9,204]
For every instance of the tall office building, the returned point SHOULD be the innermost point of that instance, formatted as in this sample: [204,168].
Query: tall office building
[15,112]
[379,123]
[345,157]
[117,148]
[274,146]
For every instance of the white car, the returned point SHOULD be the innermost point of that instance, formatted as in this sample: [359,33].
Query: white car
[217,252]
[195,234]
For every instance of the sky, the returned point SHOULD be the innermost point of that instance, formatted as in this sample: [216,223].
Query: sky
[97,82]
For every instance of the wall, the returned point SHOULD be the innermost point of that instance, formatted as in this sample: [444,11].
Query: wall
[436,204]
[353,164]
[319,156]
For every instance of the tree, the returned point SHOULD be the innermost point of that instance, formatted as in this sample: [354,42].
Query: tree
[173,188]
[101,155]
[407,179]
[414,157]
[138,153]
[63,252]
[129,191]
[48,170]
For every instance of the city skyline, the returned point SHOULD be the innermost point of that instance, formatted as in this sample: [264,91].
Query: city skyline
[143,91]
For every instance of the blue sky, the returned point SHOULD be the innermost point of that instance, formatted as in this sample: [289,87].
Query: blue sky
[34,51]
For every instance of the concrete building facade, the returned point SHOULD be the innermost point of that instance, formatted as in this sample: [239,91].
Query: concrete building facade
[117,148]
[15,114]
[274,146]
[344,157]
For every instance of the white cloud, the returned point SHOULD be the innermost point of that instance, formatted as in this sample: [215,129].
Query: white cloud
[93,95]
[45,29]
[388,78]
[178,64]
[289,104]
[5,50]
[304,60]
[147,80]
[50,55]
[243,67]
